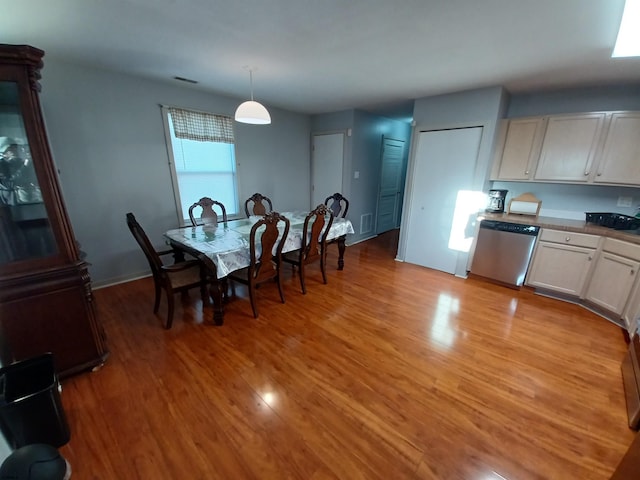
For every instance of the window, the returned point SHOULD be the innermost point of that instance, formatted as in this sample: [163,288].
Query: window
[203,159]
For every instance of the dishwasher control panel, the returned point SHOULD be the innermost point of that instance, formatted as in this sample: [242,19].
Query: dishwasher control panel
[510,227]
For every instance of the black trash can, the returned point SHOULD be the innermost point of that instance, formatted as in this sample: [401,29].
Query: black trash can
[30,406]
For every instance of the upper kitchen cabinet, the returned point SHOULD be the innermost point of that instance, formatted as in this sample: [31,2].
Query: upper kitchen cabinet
[620,161]
[569,147]
[46,302]
[518,148]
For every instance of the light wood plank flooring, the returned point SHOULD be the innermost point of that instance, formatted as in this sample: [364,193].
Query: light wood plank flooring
[391,371]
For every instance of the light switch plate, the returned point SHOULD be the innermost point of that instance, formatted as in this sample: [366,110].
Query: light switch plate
[625,201]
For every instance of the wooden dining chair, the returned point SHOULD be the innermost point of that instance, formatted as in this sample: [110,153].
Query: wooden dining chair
[179,277]
[265,245]
[208,215]
[338,204]
[314,243]
[254,205]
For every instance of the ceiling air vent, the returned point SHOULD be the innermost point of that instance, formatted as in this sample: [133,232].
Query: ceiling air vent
[188,80]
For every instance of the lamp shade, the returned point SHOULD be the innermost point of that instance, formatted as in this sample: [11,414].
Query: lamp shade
[252,112]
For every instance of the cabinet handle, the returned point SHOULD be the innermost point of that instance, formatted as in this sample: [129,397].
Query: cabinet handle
[599,174]
[632,271]
[526,172]
[587,173]
[589,258]
[567,239]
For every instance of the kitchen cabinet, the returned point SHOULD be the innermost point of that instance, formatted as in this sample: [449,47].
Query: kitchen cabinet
[569,147]
[562,261]
[519,148]
[614,276]
[632,310]
[620,159]
[592,148]
[46,302]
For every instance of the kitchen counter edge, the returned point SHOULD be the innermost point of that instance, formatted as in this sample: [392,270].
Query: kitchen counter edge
[568,225]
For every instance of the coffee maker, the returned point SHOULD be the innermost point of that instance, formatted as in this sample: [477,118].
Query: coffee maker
[496,201]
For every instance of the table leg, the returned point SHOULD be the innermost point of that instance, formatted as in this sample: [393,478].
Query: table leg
[216,290]
[217,287]
[341,248]
[178,255]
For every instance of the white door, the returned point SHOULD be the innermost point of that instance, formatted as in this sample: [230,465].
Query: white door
[444,165]
[327,159]
[390,184]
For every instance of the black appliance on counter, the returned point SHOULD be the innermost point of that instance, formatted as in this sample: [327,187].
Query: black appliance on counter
[617,221]
[496,201]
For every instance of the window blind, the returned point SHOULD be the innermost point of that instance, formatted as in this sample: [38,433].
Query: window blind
[201,126]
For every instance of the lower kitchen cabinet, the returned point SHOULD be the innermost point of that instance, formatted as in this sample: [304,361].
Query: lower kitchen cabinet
[632,310]
[598,272]
[614,276]
[562,261]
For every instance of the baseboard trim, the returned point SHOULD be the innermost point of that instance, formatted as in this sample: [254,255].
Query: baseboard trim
[116,281]
[361,240]
[584,304]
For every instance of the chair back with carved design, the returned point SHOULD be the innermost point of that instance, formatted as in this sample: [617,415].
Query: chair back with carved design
[314,243]
[147,248]
[265,243]
[255,205]
[179,277]
[208,215]
[338,204]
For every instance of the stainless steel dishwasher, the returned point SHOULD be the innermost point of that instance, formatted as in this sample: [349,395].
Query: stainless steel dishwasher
[503,251]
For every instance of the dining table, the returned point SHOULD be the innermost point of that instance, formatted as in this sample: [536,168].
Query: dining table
[226,244]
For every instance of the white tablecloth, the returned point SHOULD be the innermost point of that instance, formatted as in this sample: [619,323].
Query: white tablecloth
[228,245]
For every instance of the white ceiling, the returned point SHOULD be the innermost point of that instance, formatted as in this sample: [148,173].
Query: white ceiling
[318,56]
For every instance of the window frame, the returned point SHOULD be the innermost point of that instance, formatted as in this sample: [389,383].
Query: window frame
[184,222]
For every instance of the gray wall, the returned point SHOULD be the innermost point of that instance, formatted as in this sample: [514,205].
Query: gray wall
[575,100]
[367,159]
[480,107]
[107,138]
[571,201]
[362,154]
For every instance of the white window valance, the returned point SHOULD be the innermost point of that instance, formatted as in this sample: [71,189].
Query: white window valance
[201,126]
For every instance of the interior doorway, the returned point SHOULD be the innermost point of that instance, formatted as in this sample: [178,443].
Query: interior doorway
[327,160]
[390,189]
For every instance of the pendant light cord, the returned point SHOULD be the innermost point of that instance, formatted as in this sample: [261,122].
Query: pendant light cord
[251,82]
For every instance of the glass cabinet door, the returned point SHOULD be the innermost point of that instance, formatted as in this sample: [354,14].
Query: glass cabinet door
[25,230]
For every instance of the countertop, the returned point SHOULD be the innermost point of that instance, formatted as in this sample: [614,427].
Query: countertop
[580,226]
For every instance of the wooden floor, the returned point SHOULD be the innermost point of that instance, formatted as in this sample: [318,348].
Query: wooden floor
[391,371]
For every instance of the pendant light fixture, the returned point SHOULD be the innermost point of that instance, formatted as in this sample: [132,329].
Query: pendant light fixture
[252,111]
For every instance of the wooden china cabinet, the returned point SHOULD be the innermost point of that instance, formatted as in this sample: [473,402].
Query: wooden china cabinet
[46,302]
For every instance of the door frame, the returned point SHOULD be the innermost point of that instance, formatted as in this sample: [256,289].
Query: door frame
[403,179]
[345,190]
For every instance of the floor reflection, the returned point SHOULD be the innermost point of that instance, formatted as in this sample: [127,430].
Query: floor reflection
[492,476]
[442,330]
[269,398]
